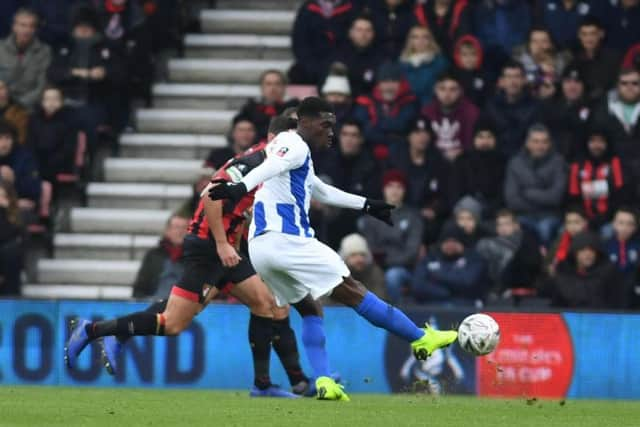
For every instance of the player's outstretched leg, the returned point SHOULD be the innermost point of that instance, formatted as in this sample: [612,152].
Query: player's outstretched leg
[111,346]
[254,294]
[176,318]
[423,341]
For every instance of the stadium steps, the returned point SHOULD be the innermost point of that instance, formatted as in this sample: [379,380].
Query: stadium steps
[99,254]
[134,221]
[152,170]
[237,46]
[87,272]
[138,196]
[203,96]
[123,247]
[169,146]
[77,291]
[184,121]
[259,4]
[256,22]
[234,71]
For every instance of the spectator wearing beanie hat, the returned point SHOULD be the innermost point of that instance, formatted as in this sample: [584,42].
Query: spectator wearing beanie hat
[471,70]
[428,176]
[336,90]
[479,171]
[356,254]
[452,274]
[395,247]
[567,113]
[361,55]
[467,214]
[386,113]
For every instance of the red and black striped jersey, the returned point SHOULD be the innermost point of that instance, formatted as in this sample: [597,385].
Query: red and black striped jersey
[233,214]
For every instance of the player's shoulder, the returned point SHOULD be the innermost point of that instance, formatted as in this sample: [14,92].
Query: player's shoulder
[287,144]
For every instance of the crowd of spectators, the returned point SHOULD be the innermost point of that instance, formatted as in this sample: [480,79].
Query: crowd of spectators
[505,132]
[69,71]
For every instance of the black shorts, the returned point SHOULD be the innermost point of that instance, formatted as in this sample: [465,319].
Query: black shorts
[202,266]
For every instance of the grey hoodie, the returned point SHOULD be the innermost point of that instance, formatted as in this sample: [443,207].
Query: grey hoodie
[399,244]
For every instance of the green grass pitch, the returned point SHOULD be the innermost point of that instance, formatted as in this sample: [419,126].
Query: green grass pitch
[67,407]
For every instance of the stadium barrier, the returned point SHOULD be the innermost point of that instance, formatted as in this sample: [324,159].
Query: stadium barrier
[554,355]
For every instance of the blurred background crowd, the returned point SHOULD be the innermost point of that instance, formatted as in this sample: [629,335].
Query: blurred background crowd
[506,132]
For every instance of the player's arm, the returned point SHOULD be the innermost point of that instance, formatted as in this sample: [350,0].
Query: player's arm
[330,195]
[226,252]
[284,156]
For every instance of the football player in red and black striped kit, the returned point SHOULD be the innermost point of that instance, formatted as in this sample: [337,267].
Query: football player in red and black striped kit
[214,257]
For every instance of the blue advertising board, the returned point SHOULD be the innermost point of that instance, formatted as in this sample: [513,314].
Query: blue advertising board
[579,355]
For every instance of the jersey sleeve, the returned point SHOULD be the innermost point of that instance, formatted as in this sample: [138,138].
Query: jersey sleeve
[286,152]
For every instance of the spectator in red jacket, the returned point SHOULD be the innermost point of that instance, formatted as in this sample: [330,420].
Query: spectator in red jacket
[598,181]
[273,86]
[447,19]
[469,67]
[320,27]
[388,111]
[452,117]
[575,222]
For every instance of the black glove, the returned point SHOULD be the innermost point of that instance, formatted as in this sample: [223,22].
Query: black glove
[227,190]
[379,209]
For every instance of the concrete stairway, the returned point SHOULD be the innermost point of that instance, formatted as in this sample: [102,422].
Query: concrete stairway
[99,256]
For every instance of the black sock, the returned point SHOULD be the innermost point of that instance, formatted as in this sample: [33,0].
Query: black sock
[158,306]
[260,331]
[140,323]
[284,343]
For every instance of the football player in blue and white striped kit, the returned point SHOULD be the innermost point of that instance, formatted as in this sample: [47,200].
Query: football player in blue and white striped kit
[297,267]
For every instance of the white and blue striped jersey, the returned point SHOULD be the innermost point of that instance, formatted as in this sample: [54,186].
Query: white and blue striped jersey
[282,202]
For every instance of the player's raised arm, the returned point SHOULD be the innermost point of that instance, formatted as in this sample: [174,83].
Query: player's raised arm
[284,153]
[330,195]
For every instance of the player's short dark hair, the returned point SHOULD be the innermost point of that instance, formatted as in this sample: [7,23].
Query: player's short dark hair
[281,123]
[313,107]
[364,17]
[290,111]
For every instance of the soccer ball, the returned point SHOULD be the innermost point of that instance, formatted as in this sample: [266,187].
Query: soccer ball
[479,334]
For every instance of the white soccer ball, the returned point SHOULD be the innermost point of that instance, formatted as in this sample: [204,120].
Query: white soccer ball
[479,334]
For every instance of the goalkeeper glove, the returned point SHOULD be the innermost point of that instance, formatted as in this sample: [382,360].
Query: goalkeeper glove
[379,209]
[227,190]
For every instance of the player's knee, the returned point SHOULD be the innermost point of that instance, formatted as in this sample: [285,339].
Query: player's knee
[174,325]
[263,304]
[350,292]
